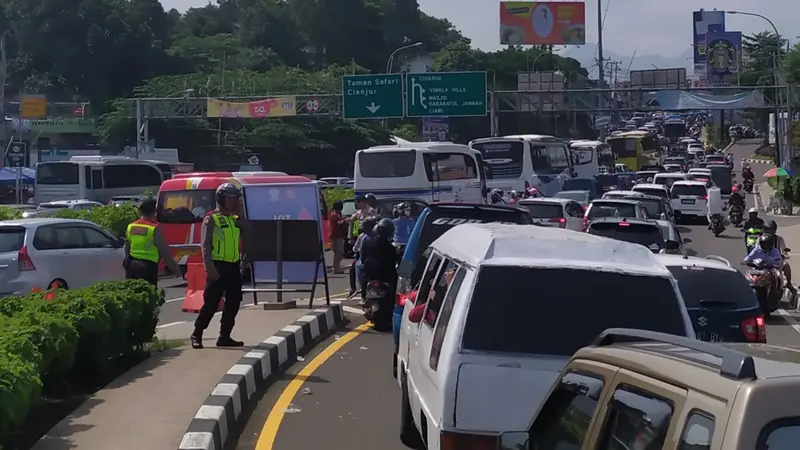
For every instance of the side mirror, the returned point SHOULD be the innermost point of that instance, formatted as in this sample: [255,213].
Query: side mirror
[671,245]
[687,241]
[515,441]
[663,216]
[788,250]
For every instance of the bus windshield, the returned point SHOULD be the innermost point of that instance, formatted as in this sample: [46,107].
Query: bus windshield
[623,147]
[185,206]
[58,173]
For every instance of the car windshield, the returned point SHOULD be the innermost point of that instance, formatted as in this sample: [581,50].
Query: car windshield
[610,209]
[548,311]
[648,235]
[578,196]
[654,207]
[703,286]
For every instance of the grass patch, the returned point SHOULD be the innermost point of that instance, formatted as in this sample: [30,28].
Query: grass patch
[162,345]
[761,157]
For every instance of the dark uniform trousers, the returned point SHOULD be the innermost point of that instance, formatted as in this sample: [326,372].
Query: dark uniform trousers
[140,269]
[228,284]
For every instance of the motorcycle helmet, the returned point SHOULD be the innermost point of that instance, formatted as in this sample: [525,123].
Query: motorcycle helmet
[513,194]
[226,190]
[367,225]
[752,211]
[385,229]
[771,227]
[734,189]
[766,242]
[496,195]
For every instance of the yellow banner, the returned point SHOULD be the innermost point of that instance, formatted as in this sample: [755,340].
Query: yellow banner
[33,106]
[269,107]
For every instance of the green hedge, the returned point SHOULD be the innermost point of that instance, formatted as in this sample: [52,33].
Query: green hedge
[332,195]
[115,219]
[79,336]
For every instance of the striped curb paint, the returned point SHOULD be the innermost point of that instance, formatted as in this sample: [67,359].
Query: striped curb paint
[757,161]
[221,412]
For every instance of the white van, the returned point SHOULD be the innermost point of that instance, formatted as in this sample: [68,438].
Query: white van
[589,156]
[505,314]
[526,160]
[430,171]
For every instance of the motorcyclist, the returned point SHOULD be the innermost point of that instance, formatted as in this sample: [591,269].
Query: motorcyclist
[380,262]
[496,196]
[780,244]
[753,221]
[533,193]
[513,197]
[736,198]
[403,223]
[747,173]
[765,251]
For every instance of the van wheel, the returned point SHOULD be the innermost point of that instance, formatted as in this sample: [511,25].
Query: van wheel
[409,435]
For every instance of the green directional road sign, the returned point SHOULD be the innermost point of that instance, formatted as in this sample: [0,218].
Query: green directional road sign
[372,96]
[450,94]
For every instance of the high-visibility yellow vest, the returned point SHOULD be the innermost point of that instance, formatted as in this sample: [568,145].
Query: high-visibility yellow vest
[225,240]
[142,244]
[356,227]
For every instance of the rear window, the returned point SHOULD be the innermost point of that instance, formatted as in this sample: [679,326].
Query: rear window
[654,207]
[439,220]
[387,164]
[578,184]
[544,210]
[53,206]
[689,189]
[701,286]
[577,196]
[611,210]
[60,173]
[185,206]
[557,311]
[637,233]
[11,239]
[651,191]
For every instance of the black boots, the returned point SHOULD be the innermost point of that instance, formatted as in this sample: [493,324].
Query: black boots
[196,339]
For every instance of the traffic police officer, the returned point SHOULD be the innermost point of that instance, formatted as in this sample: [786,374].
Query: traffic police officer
[145,246]
[221,258]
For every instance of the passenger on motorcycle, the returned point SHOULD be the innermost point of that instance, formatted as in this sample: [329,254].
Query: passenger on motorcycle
[765,251]
[533,193]
[379,258]
[403,223]
[736,198]
[780,244]
[513,197]
[747,173]
[496,197]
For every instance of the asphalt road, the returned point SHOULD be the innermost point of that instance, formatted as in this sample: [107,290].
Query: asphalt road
[174,289]
[343,395]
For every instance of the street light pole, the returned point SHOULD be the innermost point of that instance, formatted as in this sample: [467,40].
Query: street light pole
[782,141]
[390,60]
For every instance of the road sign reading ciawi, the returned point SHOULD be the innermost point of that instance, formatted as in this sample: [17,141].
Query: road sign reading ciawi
[372,96]
[450,94]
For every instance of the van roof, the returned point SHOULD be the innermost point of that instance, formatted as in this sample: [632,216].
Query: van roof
[689,183]
[649,186]
[671,174]
[554,200]
[524,245]
[433,146]
[710,262]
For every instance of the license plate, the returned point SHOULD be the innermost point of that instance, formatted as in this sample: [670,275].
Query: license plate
[710,337]
[687,201]
[373,294]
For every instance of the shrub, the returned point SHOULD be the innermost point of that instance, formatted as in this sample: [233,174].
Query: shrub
[84,335]
[332,195]
[114,219]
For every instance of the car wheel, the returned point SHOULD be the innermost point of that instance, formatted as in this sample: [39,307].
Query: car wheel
[57,284]
[409,435]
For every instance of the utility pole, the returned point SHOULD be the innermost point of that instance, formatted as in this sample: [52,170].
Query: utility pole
[3,67]
[600,59]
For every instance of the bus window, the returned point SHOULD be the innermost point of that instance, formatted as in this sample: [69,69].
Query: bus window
[623,147]
[185,206]
[556,156]
[394,164]
[449,166]
[59,173]
[130,175]
[503,159]
[585,155]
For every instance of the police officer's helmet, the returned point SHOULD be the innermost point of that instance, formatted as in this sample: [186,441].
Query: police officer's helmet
[227,190]
[385,229]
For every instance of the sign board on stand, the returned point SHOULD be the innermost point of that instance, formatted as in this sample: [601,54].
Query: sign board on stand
[277,215]
[17,154]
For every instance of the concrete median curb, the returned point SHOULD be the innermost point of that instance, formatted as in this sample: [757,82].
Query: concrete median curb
[757,161]
[232,398]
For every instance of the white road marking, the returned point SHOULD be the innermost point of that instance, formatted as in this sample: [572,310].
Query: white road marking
[353,310]
[174,300]
[171,324]
[789,319]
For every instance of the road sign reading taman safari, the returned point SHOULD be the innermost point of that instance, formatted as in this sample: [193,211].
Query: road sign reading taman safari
[372,96]
[451,94]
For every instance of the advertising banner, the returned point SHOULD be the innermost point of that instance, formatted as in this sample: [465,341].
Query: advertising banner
[723,50]
[32,106]
[542,23]
[704,22]
[284,201]
[658,78]
[268,107]
[435,129]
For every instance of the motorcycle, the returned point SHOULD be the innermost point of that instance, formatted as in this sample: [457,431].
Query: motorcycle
[736,215]
[751,236]
[379,305]
[767,282]
[716,225]
[401,248]
[747,184]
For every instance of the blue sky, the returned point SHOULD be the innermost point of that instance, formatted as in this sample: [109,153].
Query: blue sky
[646,26]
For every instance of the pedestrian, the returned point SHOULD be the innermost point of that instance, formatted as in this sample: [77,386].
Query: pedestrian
[221,257]
[338,226]
[788,194]
[145,246]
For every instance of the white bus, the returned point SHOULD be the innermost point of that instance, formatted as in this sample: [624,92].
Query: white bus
[589,156]
[526,160]
[430,171]
[97,178]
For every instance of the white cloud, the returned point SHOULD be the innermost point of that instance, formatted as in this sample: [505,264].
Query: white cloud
[645,26]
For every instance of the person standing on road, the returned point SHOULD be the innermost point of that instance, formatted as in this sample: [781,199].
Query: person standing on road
[338,226]
[222,258]
[145,246]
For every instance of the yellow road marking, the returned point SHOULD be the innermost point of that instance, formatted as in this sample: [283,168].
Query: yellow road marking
[266,439]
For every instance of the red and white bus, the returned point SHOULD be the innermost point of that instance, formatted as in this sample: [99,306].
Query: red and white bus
[185,199]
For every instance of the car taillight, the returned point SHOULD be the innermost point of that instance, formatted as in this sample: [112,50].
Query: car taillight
[463,441]
[702,197]
[24,260]
[624,224]
[585,224]
[754,329]
[562,222]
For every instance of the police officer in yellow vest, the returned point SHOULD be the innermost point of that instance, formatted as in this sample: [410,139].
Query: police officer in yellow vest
[221,258]
[145,246]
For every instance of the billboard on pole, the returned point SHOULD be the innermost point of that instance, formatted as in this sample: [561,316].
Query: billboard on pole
[723,55]
[704,22]
[658,78]
[542,23]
